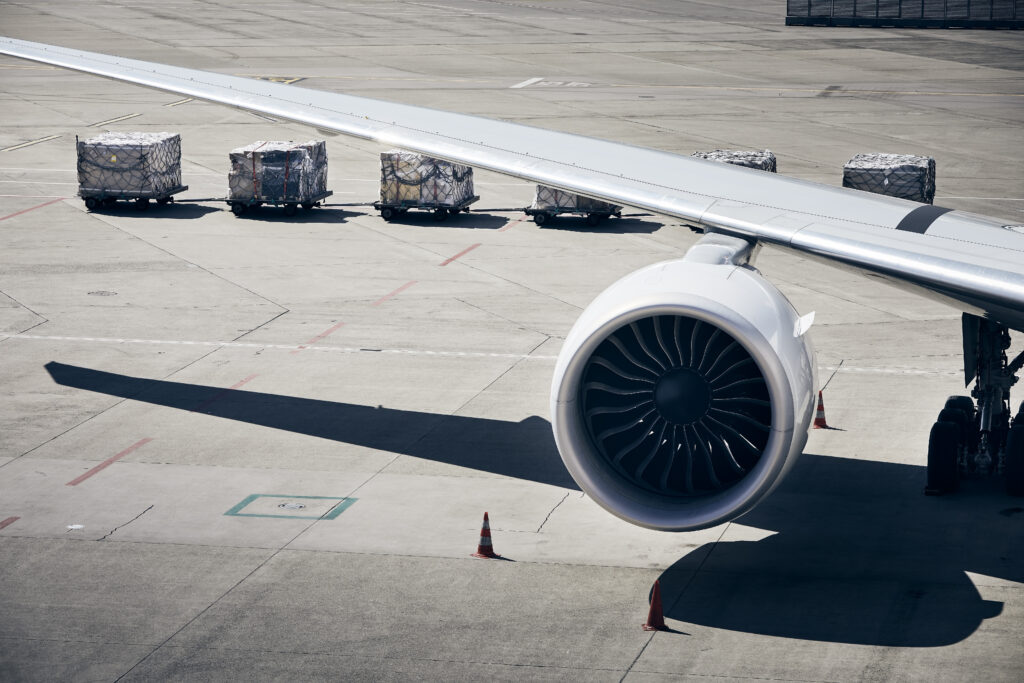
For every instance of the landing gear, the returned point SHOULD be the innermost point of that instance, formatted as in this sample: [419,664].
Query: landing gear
[966,441]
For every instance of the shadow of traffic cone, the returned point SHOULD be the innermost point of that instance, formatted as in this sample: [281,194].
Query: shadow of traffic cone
[655,617]
[819,418]
[485,549]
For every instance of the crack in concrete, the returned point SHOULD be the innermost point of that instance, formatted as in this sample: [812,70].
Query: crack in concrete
[121,526]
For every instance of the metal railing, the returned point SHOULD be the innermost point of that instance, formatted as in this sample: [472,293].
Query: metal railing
[907,13]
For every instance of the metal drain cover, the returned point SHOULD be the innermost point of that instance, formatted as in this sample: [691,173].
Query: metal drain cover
[292,506]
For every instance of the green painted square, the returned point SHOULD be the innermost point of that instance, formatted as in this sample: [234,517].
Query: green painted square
[283,506]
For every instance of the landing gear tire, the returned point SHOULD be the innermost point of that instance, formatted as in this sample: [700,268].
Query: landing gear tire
[960,419]
[1014,463]
[942,458]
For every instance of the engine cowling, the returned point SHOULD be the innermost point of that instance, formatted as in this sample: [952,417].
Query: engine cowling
[683,394]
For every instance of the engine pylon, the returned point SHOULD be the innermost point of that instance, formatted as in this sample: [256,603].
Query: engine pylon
[819,417]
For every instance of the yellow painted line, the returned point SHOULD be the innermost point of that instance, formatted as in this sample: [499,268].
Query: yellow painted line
[184,101]
[119,118]
[30,142]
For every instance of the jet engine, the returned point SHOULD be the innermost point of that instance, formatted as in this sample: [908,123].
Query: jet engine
[683,393]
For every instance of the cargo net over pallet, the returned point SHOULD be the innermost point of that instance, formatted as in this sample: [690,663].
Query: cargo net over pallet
[278,172]
[549,202]
[139,166]
[414,181]
[896,175]
[763,160]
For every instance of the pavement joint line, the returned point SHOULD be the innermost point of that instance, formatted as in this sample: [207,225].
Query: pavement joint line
[9,521]
[460,254]
[108,462]
[18,213]
[30,143]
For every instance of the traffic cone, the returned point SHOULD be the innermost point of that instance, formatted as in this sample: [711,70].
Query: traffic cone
[485,549]
[655,617]
[819,419]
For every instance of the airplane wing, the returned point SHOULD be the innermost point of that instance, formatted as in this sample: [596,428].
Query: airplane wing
[972,262]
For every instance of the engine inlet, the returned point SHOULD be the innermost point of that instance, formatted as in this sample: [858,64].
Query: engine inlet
[676,405]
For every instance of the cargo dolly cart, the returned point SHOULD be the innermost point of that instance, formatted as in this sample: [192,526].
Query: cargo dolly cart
[542,216]
[291,204]
[389,211]
[96,199]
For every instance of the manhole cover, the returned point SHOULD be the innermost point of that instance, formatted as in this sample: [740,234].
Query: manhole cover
[102,292]
[291,506]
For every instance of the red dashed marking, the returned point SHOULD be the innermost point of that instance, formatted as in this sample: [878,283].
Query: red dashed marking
[395,293]
[220,394]
[108,462]
[320,336]
[9,521]
[18,213]
[511,224]
[461,253]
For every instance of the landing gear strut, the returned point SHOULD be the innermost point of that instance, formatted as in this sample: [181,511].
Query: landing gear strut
[974,435]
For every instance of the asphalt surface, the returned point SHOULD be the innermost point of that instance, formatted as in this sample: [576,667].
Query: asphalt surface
[261,448]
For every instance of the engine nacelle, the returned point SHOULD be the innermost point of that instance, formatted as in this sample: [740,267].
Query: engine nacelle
[683,394]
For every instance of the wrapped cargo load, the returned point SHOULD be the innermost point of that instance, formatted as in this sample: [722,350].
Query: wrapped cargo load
[117,165]
[549,202]
[413,180]
[762,160]
[897,175]
[278,171]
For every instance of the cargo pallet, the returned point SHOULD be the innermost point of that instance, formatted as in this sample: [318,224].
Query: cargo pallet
[441,211]
[542,216]
[291,204]
[106,199]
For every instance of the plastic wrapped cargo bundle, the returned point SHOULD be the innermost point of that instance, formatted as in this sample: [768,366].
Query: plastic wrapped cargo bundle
[554,200]
[410,179]
[762,160]
[898,175]
[132,164]
[278,170]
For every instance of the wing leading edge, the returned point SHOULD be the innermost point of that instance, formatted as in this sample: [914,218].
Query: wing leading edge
[972,262]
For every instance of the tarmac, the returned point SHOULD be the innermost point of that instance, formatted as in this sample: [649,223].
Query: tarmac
[261,447]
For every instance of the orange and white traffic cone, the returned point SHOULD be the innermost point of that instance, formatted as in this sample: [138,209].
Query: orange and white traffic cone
[655,617]
[819,418]
[485,549]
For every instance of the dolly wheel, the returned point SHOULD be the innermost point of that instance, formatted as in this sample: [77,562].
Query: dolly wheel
[387,213]
[92,203]
[291,209]
[141,203]
[308,205]
[593,219]
[163,200]
[237,208]
[440,214]
[540,218]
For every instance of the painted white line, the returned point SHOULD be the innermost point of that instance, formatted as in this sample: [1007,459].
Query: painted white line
[286,347]
[527,82]
[34,182]
[184,101]
[892,371]
[29,143]
[119,118]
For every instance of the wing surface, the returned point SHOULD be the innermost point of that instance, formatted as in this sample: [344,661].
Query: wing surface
[973,262]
